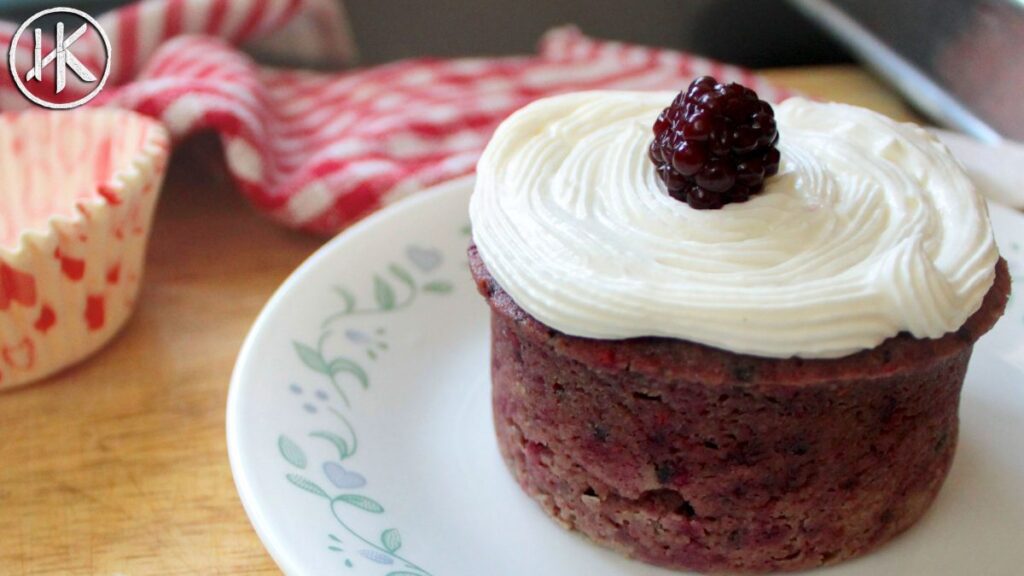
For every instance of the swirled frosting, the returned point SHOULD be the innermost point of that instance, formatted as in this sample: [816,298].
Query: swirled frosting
[870,228]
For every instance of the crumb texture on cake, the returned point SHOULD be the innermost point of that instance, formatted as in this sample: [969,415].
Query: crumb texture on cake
[689,457]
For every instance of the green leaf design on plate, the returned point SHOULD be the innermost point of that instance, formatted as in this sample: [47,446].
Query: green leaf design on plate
[361,502]
[438,287]
[403,275]
[339,365]
[333,438]
[395,287]
[291,452]
[311,358]
[307,485]
[384,293]
[347,297]
[391,539]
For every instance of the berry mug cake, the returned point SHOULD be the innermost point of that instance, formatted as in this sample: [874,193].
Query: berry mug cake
[737,344]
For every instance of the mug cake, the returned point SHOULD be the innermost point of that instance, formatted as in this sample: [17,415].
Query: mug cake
[737,343]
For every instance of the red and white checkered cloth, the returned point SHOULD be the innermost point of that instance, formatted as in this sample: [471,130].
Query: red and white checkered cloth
[319,151]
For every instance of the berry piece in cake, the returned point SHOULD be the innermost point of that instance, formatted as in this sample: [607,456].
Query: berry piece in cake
[715,144]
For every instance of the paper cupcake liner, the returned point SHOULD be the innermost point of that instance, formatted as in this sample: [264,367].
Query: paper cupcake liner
[77,193]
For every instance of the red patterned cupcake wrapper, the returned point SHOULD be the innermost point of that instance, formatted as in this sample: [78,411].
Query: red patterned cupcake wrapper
[75,212]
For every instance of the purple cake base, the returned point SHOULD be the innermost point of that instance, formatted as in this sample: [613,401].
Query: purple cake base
[691,457]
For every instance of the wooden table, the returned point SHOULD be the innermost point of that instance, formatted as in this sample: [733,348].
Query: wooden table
[119,465]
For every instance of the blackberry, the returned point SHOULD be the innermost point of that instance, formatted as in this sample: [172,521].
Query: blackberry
[715,144]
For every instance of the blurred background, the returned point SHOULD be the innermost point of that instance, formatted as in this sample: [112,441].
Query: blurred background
[958,62]
[730,30]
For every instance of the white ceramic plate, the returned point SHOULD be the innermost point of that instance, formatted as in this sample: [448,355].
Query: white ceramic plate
[359,425]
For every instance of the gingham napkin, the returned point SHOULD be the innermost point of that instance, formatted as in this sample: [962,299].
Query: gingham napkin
[319,151]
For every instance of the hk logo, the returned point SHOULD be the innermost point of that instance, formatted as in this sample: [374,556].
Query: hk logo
[62,55]
[61,58]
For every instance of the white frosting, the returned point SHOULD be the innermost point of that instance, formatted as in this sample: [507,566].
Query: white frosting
[870,228]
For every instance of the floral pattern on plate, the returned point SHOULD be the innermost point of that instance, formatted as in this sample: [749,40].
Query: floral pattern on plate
[339,486]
